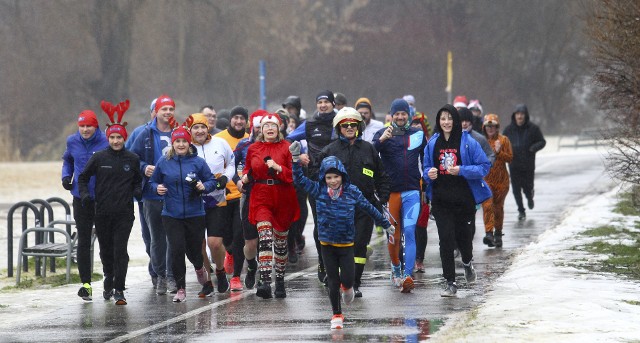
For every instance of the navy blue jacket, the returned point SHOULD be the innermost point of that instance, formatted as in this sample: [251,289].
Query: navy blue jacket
[401,156]
[336,217]
[148,147]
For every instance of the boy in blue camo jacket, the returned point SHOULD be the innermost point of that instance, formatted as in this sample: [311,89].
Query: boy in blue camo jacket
[336,201]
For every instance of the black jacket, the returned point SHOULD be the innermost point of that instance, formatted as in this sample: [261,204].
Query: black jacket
[118,180]
[319,133]
[363,165]
[526,141]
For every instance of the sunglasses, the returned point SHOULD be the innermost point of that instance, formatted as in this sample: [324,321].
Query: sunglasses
[348,125]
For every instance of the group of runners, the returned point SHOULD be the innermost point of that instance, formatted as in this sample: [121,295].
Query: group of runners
[237,193]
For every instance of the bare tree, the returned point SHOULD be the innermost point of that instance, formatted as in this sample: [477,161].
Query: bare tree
[614,28]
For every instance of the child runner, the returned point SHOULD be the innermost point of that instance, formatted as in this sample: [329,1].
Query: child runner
[336,201]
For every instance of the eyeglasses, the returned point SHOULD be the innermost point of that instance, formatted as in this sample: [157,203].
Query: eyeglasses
[490,126]
[348,125]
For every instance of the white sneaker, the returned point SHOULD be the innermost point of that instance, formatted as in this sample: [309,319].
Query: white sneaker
[337,321]
[347,295]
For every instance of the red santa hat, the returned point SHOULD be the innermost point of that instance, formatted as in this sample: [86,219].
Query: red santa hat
[270,118]
[254,119]
[460,101]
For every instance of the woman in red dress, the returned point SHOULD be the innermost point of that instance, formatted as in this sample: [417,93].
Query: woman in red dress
[273,205]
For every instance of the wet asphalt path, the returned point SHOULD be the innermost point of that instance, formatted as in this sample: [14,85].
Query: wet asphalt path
[383,314]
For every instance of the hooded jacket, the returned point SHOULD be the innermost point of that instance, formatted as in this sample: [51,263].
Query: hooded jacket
[336,217]
[181,200]
[475,164]
[526,141]
[75,157]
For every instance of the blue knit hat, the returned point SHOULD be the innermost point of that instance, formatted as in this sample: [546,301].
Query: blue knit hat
[399,105]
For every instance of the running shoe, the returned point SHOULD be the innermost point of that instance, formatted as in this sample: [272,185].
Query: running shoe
[337,321]
[107,293]
[522,215]
[85,292]
[488,239]
[118,296]
[180,296]
[171,286]
[161,288]
[250,278]
[469,273]
[347,294]
[207,290]
[202,275]
[322,274]
[407,285]
[356,292]
[236,284]
[228,263]
[530,203]
[419,267]
[450,291]
[396,275]
[264,290]
[293,256]
[223,283]
[280,291]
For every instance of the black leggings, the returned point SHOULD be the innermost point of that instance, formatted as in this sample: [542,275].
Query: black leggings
[454,228]
[338,263]
[185,237]
[521,182]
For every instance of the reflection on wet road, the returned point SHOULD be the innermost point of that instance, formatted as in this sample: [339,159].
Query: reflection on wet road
[383,314]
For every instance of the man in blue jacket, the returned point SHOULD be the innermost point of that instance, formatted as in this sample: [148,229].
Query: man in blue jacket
[80,147]
[401,149]
[151,144]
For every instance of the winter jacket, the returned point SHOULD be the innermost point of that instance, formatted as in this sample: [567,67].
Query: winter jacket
[181,200]
[117,178]
[336,217]
[318,131]
[221,161]
[75,157]
[526,141]
[150,145]
[363,165]
[475,166]
[401,156]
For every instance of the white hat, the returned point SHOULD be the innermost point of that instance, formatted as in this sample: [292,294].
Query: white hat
[347,113]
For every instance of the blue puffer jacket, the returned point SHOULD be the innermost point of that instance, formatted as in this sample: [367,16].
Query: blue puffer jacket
[75,157]
[335,217]
[181,201]
[401,156]
[475,166]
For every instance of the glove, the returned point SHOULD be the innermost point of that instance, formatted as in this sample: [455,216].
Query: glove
[137,194]
[222,182]
[390,230]
[86,201]
[66,183]
[294,148]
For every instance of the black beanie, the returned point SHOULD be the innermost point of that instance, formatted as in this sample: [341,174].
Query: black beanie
[241,111]
[326,95]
